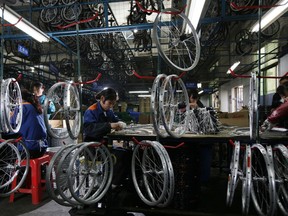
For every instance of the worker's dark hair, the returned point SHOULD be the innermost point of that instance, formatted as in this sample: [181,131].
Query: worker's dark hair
[280,90]
[31,98]
[108,94]
[38,85]
[284,78]
[193,93]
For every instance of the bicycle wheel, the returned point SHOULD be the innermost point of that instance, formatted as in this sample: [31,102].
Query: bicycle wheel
[155,106]
[149,173]
[49,3]
[280,159]
[246,180]
[174,106]
[233,176]
[263,181]
[12,105]
[11,166]
[92,169]
[176,40]
[62,174]
[171,184]
[56,95]
[72,110]
[51,176]
[3,126]
[253,104]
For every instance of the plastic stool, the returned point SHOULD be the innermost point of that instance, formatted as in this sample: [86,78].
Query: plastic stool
[37,185]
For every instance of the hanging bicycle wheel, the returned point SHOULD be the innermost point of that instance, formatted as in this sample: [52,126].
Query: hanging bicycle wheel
[149,173]
[174,106]
[72,110]
[11,166]
[11,105]
[171,185]
[233,176]
[253,107]
[176,40]
[280,159]
[3,99]
[246,180]
[51,176]
[56,95]
[263,190]
[155,106]
[90,173]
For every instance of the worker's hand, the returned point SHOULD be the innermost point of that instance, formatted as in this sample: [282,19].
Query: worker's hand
[116,126]
[266,126]
[122,124]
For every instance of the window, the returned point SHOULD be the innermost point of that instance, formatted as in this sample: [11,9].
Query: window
[237,98]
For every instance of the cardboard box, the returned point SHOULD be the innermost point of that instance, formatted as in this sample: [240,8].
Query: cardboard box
[240,119]
[145,118]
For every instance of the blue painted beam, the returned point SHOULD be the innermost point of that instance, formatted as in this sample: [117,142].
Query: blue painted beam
[102,30]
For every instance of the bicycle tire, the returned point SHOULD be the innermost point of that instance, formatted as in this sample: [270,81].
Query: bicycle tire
[253,104]
[49,3]
[62,184]
[263,190]
[233,176]
[173,95]
[280,158]
[72,110]
[14,166]
[12,105]
[141,159]
[246,180]
[171,185]
[90,197]
[155,107]
[56,95]
[185,46]
[51,176]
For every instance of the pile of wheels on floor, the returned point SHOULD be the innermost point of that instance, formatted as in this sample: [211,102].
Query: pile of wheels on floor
[81,174]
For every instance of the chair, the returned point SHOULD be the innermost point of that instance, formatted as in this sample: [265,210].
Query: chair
[35,183]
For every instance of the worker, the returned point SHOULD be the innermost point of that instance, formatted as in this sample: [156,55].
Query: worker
[99,120]
[38,89]
[194,99]
[33,130]
[279,115]
[276,101]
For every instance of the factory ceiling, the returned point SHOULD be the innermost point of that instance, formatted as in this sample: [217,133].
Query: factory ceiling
[115,39]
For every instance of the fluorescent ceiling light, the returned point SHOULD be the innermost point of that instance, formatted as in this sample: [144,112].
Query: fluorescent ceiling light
[233,67]
[195,11]
[271,15]
[200,92]
[18,21]
[145,96]
[138,92]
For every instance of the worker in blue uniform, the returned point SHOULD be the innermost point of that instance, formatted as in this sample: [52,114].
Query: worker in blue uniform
[99,118]
[33,130]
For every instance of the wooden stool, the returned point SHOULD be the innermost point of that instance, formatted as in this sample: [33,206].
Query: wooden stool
[34,181]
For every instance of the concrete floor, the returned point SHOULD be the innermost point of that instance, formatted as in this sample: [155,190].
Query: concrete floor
[211,202]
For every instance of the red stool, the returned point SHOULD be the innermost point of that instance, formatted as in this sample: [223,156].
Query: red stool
[34,182]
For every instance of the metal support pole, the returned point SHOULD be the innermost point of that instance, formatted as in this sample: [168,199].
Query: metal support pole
[259,68]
